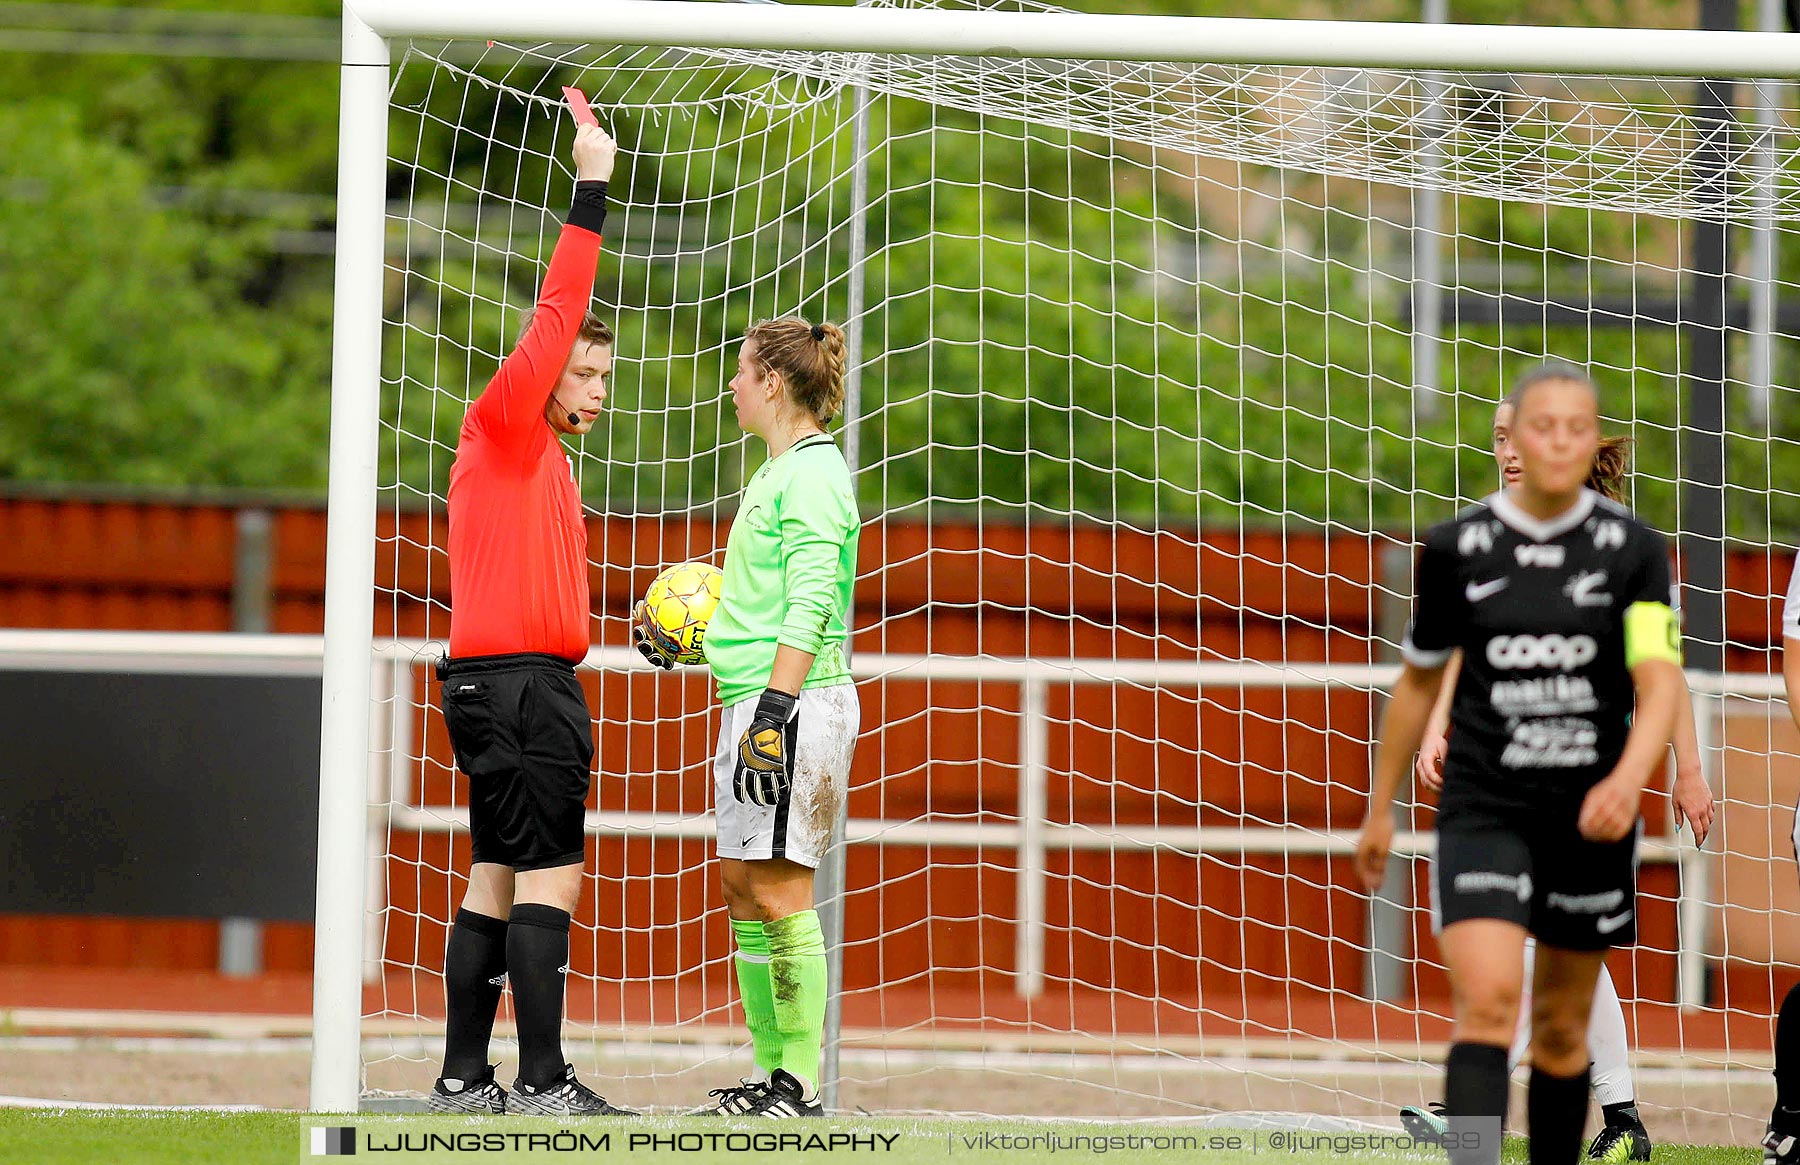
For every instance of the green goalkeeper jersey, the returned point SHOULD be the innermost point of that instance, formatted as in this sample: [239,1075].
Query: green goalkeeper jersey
[790,564]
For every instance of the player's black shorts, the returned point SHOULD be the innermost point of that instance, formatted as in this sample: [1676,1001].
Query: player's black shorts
[522,734]
[1570,892]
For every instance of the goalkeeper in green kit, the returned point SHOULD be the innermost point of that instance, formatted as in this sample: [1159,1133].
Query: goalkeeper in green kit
[776,648]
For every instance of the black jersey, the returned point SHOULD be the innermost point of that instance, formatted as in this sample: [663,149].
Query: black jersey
[1544,699]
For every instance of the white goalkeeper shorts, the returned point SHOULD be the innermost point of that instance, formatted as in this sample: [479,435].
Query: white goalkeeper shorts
[799,828]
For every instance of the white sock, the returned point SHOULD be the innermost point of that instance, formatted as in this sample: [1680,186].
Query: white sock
[1521,1045]
[1608,1045]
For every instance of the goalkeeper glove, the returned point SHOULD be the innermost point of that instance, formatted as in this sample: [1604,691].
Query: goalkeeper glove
[652,642]
[765,768]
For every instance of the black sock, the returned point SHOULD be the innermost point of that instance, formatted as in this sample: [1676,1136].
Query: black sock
[1556,1109]
[474,974]
[1787,1064]
[1623,1113]
[1474,1098]
[537,956]
[1787,1052]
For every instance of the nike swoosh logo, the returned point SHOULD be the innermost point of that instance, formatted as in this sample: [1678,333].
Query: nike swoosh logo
[1480,591]
[1608,925]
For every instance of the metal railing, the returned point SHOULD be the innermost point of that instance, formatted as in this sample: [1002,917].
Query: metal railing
[1032,835]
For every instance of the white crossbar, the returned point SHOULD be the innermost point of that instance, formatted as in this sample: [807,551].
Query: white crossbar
[1090,36]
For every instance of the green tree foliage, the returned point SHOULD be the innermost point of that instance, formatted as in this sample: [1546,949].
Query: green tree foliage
[153,332]
[132,353]
[1051,330]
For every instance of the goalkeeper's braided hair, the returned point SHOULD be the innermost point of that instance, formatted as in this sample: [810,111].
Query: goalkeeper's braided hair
[810,358]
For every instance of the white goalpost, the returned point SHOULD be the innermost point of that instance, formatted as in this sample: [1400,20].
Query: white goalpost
[1169,337]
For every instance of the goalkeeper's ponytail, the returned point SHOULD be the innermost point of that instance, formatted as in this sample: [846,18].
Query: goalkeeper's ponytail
[1612,464]
[810,358]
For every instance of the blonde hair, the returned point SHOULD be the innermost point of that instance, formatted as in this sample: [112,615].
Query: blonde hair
[810,358]
[1611,465]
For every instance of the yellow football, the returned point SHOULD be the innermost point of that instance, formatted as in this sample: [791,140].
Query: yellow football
[681,601]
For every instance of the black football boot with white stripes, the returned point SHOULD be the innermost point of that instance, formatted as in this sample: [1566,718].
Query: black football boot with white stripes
[735,1101]
[478,1095]
[1780,1147]
[567,1097]
[783,1097]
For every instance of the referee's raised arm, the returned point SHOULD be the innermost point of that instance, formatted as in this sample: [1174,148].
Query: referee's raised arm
[515,399]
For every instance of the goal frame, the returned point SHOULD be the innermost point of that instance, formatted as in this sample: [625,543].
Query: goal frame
[369,26]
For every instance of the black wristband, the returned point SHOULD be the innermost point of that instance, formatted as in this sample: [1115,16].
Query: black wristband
[776,705]
[588,210]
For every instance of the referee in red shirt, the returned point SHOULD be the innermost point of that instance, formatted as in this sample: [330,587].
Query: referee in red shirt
[519,723]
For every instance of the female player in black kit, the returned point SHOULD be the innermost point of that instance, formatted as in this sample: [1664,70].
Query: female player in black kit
[1559,601]
[1622,1136]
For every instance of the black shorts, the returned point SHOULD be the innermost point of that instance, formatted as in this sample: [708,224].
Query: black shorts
[1570,892]
[522,734]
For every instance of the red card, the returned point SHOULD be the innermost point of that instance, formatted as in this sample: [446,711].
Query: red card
[578,105]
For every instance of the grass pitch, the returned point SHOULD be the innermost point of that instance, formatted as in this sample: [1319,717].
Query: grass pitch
[164,1137]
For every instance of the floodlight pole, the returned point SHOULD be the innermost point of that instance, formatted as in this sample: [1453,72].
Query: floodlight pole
[1428,248]
[1764,254]
[349,569]
[1704,338]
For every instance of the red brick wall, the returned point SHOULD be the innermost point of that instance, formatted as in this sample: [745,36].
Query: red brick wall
[950,747]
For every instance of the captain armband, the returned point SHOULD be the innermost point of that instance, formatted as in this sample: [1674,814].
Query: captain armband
[1651,633]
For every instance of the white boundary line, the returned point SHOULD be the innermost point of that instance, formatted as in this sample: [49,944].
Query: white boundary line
[1307,1068]
[94,1105]
[223,1033]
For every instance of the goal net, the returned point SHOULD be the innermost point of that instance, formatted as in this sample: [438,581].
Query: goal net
[1160,372]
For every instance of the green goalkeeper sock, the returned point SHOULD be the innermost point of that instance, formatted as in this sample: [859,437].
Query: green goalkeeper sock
[755,992]
[797,977]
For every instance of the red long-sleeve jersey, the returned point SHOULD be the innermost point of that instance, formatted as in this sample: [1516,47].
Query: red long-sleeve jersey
[518,545]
